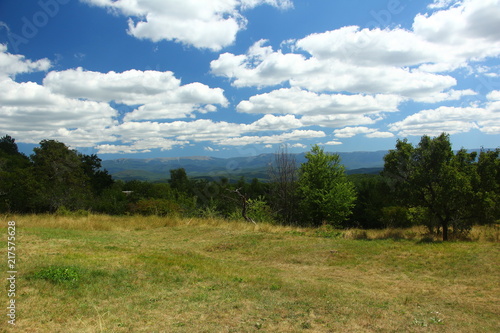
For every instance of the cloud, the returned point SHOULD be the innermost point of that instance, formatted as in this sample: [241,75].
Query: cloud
[494,95]
[140,146]
[297,145]
[32,112]
[380,135]
[340,120]
[203,24]
[326,110]
[210,149]
[261,66]
[365,47]
[468,31]
[302,102]
[349,132]
[275,123]
[141,136]
[282,4]
[332,143]
[161,94]
[439,4]
[452,119]
[376,61]
[273,139]
[13,64]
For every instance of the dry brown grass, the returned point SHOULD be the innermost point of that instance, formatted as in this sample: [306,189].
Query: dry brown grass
[151,274]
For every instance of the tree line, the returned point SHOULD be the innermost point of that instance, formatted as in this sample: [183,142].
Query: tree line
[428,184]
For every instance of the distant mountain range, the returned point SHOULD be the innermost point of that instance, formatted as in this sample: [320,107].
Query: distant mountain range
[213,168]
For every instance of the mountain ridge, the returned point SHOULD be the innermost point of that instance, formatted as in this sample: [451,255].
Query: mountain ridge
[216,167]
[209,167]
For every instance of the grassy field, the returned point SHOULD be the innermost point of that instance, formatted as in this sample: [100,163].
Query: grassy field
[150,274]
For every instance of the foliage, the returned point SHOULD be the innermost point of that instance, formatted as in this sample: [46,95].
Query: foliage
[260,211]
[395,217]
[373,195]
[326,195]
[160,207]
[445,184]
[487,186]
[425,185]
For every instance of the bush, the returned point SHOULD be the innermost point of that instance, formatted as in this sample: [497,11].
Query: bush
[260,211]
[159,207]
[396,217]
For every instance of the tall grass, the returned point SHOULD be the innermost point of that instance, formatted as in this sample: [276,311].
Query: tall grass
[98,222]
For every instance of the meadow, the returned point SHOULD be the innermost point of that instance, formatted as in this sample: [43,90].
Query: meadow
[98,273]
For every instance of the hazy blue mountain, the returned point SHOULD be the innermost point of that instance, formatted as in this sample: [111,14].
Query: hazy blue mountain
[214,168]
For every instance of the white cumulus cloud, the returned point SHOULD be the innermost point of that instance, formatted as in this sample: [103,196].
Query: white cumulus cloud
[453,119]
[203,24]
[161,94]
[13,64]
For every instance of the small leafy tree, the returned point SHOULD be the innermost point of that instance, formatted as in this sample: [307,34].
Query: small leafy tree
[326,195]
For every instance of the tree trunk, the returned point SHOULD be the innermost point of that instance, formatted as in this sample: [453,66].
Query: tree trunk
[445,231]
[244,206]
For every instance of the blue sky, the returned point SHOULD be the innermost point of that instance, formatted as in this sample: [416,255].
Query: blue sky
[151,78]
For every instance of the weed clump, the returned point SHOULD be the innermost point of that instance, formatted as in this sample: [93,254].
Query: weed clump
[58,275]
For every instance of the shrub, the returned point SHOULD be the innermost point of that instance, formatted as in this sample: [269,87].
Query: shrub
[395,217]
[260,211]
[160,207]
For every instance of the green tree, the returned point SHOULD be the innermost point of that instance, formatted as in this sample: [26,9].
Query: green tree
[99,179]
[326,195]
[179,180]
[488,186]
[61,175]
[431,176]
[8,145]
[373,195]
[17,183]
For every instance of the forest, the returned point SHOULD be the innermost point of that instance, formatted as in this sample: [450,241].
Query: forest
[428,184]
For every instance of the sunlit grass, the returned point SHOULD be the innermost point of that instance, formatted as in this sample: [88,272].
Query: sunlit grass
[150,274]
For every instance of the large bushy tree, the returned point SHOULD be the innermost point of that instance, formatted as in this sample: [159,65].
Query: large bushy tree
[61,175]
[326,195]
[17,183]
[432,177]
